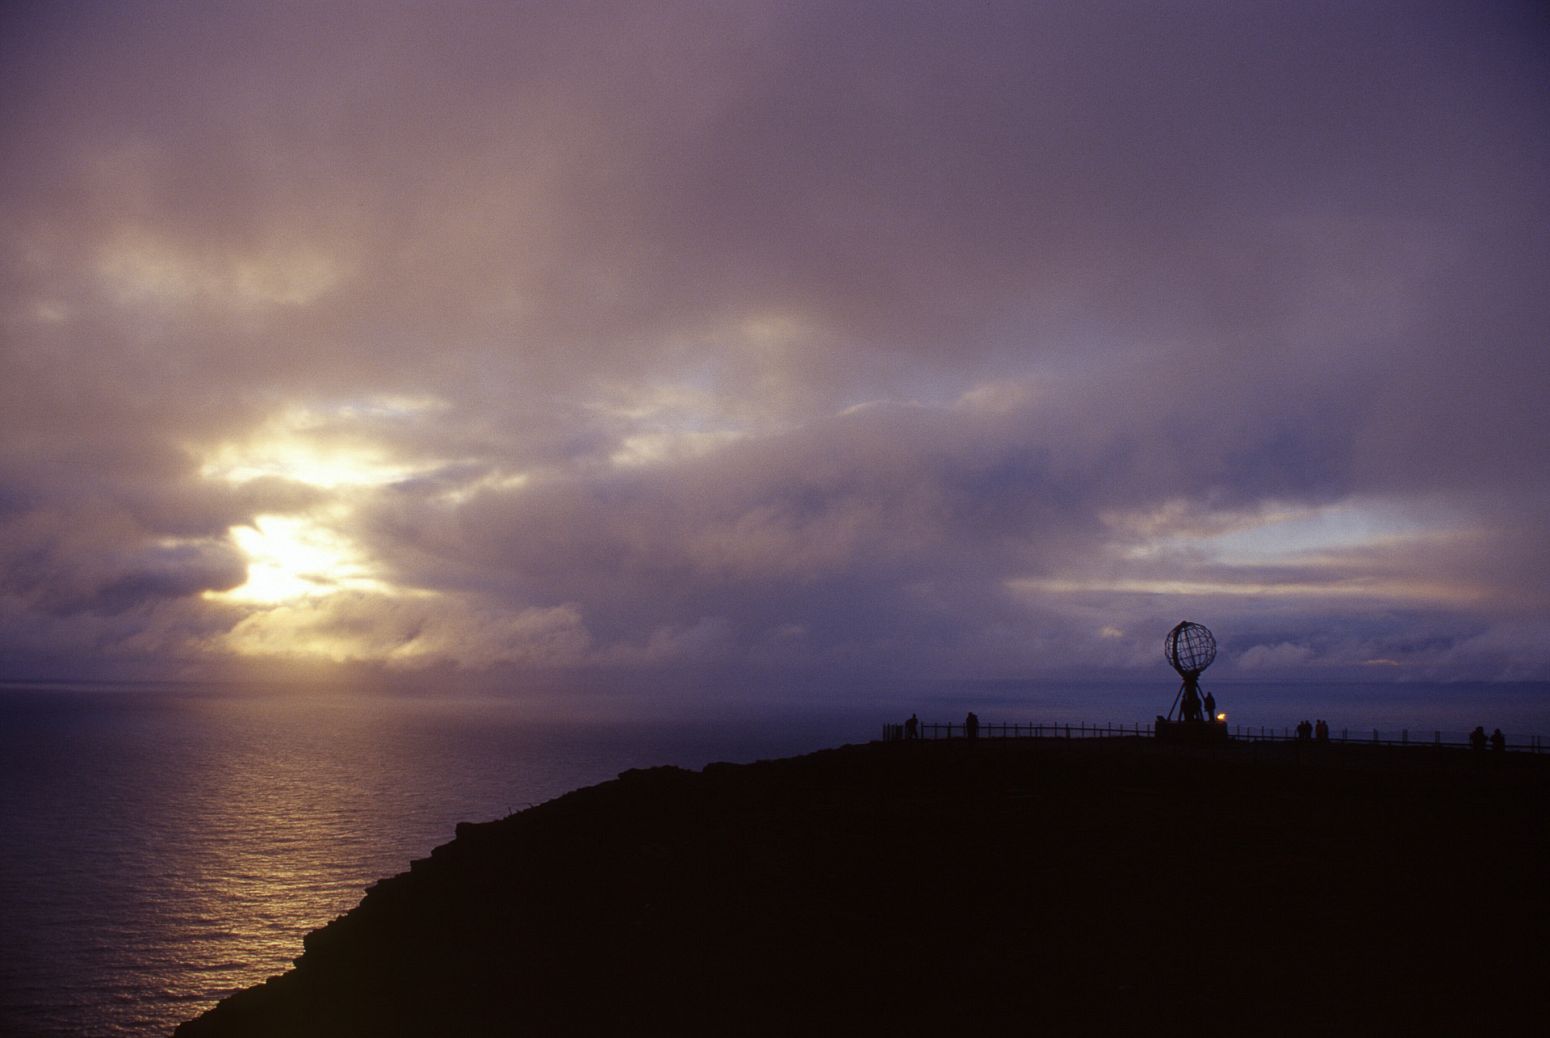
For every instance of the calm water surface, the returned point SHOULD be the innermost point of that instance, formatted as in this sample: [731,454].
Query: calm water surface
[164,847]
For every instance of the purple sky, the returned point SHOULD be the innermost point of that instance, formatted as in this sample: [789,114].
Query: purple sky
[775,339]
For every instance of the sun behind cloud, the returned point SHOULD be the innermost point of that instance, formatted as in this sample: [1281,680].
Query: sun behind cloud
[314,591]
[296,557]
[310,553]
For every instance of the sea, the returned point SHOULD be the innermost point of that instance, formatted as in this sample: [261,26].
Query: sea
[162,846]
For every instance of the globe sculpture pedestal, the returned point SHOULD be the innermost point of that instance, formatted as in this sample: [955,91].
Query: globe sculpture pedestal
[1190,648]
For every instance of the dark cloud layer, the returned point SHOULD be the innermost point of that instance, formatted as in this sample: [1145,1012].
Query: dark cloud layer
[920,338]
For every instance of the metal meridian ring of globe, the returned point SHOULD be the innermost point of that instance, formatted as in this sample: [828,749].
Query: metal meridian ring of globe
[1190,648]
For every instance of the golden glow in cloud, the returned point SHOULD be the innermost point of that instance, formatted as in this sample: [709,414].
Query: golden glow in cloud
[309,555]
[295,557]
[307,446]
[1335,587]
[1341,551]
[411,630]
[312,588]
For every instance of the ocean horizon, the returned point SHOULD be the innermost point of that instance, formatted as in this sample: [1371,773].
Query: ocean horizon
[169,844]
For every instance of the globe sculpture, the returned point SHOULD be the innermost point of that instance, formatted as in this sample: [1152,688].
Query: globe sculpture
[1190,648]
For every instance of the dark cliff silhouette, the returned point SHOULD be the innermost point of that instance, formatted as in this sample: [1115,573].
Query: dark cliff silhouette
[1111,886]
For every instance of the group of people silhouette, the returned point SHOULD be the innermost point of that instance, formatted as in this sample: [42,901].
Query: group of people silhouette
[1318,731]
[1313,731]
[971,726]
[1477,740]
[1193,708]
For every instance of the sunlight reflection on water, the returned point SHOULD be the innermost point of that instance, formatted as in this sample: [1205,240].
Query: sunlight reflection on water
[164,849]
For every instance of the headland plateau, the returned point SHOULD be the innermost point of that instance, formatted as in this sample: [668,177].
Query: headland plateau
[1009,886]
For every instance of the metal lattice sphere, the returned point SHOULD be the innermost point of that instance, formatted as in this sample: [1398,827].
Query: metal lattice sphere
[1190,648]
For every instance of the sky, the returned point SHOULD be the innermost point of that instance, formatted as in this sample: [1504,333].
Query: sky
[771,340]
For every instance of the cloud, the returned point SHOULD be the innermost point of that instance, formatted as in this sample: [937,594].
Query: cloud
[1284,656]
[411,632]
[799,334]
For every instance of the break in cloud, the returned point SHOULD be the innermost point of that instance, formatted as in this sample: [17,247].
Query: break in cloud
[975,340]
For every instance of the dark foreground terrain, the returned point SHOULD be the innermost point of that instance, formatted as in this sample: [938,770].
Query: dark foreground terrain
[1109,886]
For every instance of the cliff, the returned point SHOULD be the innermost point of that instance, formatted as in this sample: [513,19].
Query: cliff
[1101,886]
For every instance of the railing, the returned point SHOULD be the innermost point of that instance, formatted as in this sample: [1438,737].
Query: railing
[1373,737]
[1012,730]
[936,730]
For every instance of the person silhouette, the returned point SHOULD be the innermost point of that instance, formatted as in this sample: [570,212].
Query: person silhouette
[912,727]
[1498,742]
[971,726]
[1321,730]
[1304,730]
[1477,739]
[1189,710]
[1210,707]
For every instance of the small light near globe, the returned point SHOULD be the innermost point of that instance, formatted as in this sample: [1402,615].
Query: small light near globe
[1222,716]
